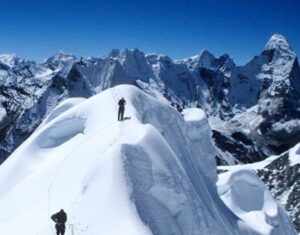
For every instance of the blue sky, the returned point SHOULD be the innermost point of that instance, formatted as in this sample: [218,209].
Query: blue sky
[37,29]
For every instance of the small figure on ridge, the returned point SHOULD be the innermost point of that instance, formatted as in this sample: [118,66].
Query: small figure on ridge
[121,104]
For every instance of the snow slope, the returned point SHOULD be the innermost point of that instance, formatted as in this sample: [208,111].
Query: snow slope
[249,198]
[152,174]
[281,176]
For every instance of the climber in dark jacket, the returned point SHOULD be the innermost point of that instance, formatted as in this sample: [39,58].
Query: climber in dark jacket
[121,104]
[60,219]
[179,108]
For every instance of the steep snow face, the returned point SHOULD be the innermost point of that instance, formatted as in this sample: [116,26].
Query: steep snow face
[152,174]
[63,107]
[60,60]
[204,60]
[294,155]
[135,64]
[244,80]
[120,67]
[281,175]
[249,198]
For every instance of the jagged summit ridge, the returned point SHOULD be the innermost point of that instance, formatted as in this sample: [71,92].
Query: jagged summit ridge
[10,59]
[59,60]
[277,41]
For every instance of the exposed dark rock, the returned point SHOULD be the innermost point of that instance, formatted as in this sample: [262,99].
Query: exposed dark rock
[283,180]
[240,147]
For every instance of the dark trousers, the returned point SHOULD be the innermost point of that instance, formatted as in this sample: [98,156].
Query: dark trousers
[121,113]
[60,228]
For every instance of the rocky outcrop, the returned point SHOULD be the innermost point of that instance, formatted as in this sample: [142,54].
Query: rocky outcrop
[283,180]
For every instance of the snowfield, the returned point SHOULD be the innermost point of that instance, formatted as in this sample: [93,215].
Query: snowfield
[152,174]
[249,198]
[294,155]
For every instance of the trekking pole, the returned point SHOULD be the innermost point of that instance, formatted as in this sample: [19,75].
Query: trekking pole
[71,228]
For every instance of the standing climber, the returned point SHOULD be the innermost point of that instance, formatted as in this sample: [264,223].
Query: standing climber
[60,218]
[179,108]
[121,104]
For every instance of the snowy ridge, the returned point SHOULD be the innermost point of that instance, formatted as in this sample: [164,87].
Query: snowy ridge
[9,59]
[158,179]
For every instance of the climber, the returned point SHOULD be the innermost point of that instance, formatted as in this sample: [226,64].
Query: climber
[179,108]
[121,104]
[60,219]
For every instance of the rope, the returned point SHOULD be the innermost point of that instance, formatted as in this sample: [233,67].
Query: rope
[71,228]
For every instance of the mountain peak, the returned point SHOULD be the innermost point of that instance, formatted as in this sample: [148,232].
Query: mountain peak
[10,59]
[114,53]
[126,54]
[277,42]
[131,52]
[60,60]
[63,56]
[206,53]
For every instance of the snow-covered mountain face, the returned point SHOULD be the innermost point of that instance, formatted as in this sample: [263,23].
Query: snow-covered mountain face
[253,109]
[283,180]
[265,100]
[158,179]
[281,175]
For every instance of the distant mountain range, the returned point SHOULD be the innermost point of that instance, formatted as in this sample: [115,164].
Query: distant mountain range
[253,110]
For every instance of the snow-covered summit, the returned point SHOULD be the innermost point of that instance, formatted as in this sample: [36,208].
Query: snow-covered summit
[277,42]
[10,59]
[59,60]
[62,56]
[204,59]
[281,57]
